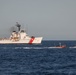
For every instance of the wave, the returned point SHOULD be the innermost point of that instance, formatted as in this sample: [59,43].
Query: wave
[72,47]
[25,48]
[29,48]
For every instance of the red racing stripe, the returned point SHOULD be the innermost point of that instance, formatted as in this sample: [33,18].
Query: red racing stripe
[31,40]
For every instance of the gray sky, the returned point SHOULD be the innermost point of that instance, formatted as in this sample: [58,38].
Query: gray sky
[52,19]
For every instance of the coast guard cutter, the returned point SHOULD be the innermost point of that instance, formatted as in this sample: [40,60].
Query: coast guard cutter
[20,36]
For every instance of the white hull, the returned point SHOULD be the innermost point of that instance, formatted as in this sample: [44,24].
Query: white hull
[56,47]
[36,40]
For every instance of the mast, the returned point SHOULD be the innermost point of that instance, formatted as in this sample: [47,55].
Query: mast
[19,26]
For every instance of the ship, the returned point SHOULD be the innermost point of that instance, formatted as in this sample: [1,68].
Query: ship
[59,47]
[20,37]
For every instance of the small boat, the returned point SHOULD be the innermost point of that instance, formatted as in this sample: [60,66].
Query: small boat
[59,47]
[63,46]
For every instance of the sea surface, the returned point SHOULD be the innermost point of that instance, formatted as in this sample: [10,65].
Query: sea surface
[38,59]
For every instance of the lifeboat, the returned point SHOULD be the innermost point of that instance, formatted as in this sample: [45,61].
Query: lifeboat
[63,46]
[59,47]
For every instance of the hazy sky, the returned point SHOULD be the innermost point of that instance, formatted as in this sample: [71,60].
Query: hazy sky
[52,19]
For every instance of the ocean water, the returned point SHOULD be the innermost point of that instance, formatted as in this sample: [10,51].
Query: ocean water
[24,59]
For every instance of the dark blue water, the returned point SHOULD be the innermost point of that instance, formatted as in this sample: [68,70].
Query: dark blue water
[24,59]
